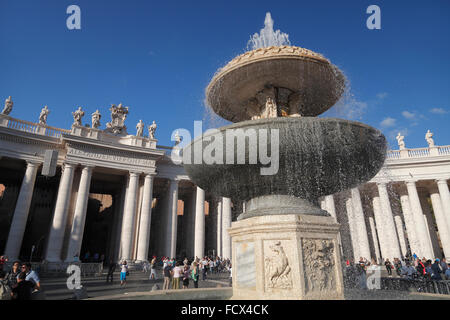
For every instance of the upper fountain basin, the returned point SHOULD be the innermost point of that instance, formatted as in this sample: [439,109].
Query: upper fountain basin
[317,157]
[304,79]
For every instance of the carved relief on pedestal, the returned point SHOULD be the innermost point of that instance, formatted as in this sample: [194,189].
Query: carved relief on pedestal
[277,270]
[319,262]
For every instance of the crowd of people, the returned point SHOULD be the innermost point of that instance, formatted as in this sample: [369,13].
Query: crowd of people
[18,283]
[176,274]
[412,268]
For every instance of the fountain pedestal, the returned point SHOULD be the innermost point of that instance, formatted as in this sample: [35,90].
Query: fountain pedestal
[293,256]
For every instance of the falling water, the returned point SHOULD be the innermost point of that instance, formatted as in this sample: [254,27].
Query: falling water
[268,37]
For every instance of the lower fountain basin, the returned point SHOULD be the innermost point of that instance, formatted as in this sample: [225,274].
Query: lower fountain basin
[317,157]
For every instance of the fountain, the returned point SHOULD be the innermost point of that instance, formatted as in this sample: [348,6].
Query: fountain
[283,245]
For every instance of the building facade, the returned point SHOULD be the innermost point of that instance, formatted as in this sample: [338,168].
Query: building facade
[86,191]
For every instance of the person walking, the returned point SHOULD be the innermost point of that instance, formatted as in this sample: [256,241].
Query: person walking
[195,273]
[388,265]
[186,276]
[436,271]
[123,272]
[153,269]
[177,273]
[167,273]
[111,269]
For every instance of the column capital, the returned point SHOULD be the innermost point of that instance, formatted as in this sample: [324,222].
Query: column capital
[411,182]
[134,174]
[32,163]
[441,181]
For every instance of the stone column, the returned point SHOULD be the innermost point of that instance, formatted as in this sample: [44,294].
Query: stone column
[353,232]
[441,222]
[56,237]
[219,228]
[129,215]
[173,218]
[391,233]
[445,198]
[360,225]
[401,234]
[413,240]
[20,217]
[226,224]
[381,229]
[375,239]
[79,219]
[200,224]
[146,218]
[421,227]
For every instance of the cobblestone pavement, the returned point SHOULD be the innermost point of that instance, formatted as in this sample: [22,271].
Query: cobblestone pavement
[137,281]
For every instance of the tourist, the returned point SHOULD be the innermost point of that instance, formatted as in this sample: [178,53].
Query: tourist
[421,268]
[3,260]
[111,269]
[388,265]
[23,290]
[436,271]
[195,273]
[361,273]
[177,273]
[31,275]
[211,266]
[231,275]
[153,269]
[398,266]
[5,289]
[145,267]
[167,274]
[203,266]
[408,272]
[96,257]
[185,261]
[11,276]
[186,276]
[447,272]
[444,265]
[428,270]
[123,272]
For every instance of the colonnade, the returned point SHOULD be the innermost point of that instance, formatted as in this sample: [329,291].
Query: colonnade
[135,221]
[398,218]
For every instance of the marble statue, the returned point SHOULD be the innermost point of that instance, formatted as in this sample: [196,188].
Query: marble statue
[8,106]
[43,116]
[96,116]
[118,116]
[270,110]
[401,142]
[429,138]
[152,130]
[140,128]
[77,116]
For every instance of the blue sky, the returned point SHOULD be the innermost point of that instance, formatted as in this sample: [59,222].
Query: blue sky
[157,58]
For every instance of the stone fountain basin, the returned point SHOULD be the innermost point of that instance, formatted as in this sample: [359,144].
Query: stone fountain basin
[320,83]
[317,157]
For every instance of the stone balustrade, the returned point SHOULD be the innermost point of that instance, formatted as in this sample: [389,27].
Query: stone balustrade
[418,152]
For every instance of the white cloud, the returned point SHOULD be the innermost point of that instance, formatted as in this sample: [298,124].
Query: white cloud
[438,111]
[388,122]
[382,95]
[409,115]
